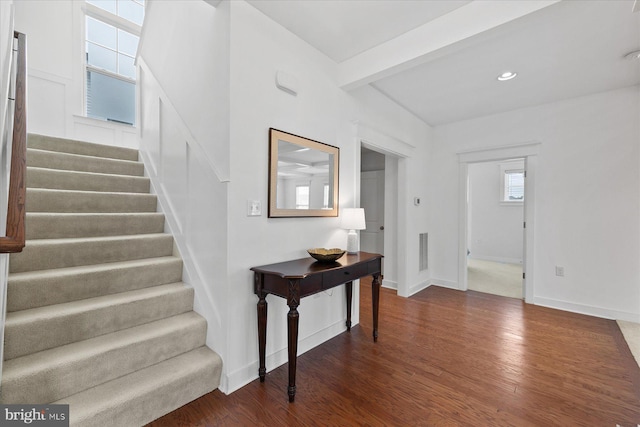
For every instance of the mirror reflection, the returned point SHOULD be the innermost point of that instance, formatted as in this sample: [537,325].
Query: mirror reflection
[303,177]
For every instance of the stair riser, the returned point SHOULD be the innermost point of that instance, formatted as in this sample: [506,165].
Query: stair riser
[133,351]
[33,335]
[42,142]
[65,161]
[152,396]
[25,292]
[48,254]
[42,200]
[84,181]
[52,226]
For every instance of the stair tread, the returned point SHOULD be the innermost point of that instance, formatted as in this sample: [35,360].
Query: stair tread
[90,304]
[52,200]
[40,288]
[45,254]
[94,214]
[61,178]
[101,193]
[88,173]
[58,225]
[67,271]
[47,362]
[66,145]
[127,390]
[66,240]
[36,329]
[87,163]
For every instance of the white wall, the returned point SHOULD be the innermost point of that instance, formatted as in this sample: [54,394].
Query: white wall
[196,33]
[495,228]
[245,71]
[54,32]
[587,198]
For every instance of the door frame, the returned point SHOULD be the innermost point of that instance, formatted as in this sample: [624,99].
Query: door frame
[529,152]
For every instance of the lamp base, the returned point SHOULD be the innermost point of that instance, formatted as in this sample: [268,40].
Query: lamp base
[353,246]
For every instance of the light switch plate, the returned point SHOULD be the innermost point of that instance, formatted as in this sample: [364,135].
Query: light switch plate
[254,208]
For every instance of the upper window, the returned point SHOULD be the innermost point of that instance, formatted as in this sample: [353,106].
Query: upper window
[512,182]
[131,10]
[111,41]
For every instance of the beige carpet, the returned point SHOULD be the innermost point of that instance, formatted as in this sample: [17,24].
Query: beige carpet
[631,332]
[495,278]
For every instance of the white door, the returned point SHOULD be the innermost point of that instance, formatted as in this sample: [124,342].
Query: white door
[372,200]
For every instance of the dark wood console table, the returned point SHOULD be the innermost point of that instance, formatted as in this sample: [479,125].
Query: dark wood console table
[302,277]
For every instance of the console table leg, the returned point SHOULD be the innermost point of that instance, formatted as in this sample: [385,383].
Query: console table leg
[292,333]
[293,301]
[262,335]
[375,298]
[349,289]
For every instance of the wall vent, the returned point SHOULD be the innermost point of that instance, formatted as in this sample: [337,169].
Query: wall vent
[424,251]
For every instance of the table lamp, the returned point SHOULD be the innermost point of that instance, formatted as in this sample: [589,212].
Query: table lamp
[352,220]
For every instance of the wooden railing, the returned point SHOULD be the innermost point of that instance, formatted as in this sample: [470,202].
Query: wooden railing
[15,235]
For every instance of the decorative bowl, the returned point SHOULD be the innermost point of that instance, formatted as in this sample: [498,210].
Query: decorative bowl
[326,255]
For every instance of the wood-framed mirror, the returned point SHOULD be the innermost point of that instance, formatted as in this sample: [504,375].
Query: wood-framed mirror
[303,176]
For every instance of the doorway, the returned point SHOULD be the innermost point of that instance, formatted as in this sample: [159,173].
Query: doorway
[495,234]
[372,193]
[528,152]
[379,196]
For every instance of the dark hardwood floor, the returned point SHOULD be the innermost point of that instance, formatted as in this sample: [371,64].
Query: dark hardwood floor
[445,358]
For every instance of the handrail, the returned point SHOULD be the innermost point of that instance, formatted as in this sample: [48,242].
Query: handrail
[15,233]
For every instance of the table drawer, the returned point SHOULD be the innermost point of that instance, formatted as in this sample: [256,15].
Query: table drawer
[343,275]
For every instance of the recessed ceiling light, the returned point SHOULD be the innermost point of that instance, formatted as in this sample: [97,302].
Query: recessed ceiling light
[507,75]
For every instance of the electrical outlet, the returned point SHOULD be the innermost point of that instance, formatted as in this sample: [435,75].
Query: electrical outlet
[254,208]
[559,271]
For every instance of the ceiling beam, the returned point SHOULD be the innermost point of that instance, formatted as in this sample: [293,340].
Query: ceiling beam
[433,39]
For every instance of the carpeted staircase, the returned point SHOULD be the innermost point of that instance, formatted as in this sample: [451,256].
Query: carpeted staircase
[97,316]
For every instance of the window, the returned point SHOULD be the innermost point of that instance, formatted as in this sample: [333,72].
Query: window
[111,41]
[513,186]
[512,182]
[325,196]
[302,197]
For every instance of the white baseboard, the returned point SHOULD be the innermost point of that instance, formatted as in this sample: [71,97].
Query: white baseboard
[418,287]
[587,309]
[389,284]
[243,376]
[497,259]
[444,283]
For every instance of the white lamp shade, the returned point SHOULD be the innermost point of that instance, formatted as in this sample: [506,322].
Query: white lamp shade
[353,219]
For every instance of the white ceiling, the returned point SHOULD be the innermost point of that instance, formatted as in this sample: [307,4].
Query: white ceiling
[443,57]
